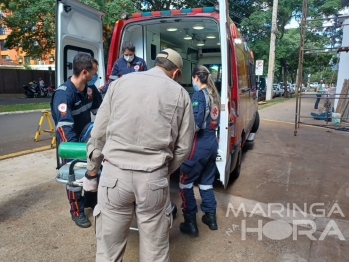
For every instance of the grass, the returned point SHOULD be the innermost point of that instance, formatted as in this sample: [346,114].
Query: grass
[24,107]
[272,102]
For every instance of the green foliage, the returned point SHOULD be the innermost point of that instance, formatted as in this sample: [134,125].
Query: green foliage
[31,23]
[112,9]
[288,40]
[24,107]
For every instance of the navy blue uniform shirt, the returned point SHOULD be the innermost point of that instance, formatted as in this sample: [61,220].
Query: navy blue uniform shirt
[71,110]
[206,115]
[121,68]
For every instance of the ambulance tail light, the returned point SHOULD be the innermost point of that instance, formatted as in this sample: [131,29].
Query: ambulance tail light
[232,119]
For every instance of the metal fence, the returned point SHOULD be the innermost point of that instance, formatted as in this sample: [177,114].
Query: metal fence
[330,113]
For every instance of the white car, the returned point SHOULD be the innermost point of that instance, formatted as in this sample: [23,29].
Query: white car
[278,91]
[314,85]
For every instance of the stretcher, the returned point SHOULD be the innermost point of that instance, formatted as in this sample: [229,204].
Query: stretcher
[76,168]
[69,173]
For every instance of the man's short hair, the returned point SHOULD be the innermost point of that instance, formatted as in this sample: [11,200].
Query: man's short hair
[128,45]
[165,63]
[83,61]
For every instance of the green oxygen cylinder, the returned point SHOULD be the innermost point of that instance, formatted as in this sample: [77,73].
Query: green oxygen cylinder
[72,150]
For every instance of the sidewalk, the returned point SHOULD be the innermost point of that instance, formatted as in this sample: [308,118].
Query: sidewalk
[11,96]
[286,111]
[16,99]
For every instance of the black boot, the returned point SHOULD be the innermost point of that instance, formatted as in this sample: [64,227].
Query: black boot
[189,226]
[81,221]
[210,220]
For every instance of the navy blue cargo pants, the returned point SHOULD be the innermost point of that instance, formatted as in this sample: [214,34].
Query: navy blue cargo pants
[200,167]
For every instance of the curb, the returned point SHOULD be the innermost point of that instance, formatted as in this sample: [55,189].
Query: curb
[22,112]
[25,152]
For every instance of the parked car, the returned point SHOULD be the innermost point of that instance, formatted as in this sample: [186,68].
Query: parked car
[278,91]
[301,89]
[293,88]
[314,85]
[262,90]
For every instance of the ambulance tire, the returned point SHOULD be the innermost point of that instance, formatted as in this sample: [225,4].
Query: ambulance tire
[236,172]
[255,124]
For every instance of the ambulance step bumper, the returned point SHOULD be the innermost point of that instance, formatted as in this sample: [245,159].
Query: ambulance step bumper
[250,137]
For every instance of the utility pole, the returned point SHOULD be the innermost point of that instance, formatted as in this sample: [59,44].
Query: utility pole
[271,64]
[300,63]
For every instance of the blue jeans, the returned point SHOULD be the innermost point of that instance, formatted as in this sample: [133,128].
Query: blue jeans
[316,106]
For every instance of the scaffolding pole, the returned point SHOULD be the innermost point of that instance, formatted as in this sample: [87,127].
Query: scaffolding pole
[300,63]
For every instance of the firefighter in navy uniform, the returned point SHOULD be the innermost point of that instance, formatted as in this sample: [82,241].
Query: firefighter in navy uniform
[201,163]
[71,107]
[127,64]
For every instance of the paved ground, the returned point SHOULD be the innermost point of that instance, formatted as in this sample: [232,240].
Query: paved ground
[18,130]
[277,168]
[15,99]
[286,112]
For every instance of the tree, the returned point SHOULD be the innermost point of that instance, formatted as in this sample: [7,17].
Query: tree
[288,40]
[113,9]
[32,27]
[33,22]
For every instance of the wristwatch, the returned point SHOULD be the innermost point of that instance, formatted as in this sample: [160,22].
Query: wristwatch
[89,177]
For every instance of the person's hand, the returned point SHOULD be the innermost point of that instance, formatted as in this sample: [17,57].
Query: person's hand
[89,181]
[100,88]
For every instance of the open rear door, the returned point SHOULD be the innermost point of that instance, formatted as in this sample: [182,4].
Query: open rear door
[78,30]
[223,158]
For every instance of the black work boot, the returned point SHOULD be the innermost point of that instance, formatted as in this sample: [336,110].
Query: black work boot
[189,225]
[81,221]
[210,220]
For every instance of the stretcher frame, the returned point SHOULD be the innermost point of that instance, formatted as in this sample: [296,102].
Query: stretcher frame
[72,182]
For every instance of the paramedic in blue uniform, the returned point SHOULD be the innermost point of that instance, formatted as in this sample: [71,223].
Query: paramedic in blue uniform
[71,107]
[200,165]
[127,64]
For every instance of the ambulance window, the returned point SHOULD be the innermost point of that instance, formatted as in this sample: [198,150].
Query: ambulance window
[252,77]
[230,75]
[153,52]
[69,53]
[216,73]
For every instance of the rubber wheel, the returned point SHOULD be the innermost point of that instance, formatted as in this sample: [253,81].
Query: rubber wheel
[236,172]
[255,124]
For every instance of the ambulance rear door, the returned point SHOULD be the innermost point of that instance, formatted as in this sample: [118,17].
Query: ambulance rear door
[78,30]
[223,160]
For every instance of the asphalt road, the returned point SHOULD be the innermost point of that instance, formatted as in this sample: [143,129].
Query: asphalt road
[17,132]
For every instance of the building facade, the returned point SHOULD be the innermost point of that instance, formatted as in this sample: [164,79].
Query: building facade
[17,55]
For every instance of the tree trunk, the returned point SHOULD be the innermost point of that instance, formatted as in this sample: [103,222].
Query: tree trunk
[285,82]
